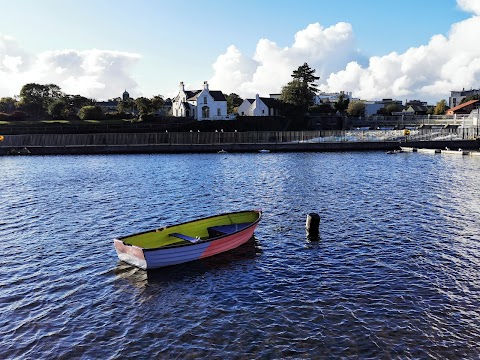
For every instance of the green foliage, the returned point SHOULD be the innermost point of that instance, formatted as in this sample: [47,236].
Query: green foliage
[356,108]
[301,90]
[321,109]
[91,113]
[76,102]
[125,106]
[469,98]
[342,103]
[306,76]
[7,104]
[157,102]
[440,108]
[58,109]
[36,98]
[233,102]
[144,106]
[390,108]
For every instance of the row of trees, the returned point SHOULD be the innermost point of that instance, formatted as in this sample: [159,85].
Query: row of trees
[39,101]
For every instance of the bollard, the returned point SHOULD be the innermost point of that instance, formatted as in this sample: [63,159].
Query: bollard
[312,225]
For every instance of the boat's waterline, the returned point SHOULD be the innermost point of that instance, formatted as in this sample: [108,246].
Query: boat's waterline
[161,251]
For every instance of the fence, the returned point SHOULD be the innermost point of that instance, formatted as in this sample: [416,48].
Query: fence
[218,138]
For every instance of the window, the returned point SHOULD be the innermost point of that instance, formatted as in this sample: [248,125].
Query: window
[205,112]
[219,112]
[204,99]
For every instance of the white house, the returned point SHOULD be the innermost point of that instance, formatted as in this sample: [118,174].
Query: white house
[259,106]
[202,104]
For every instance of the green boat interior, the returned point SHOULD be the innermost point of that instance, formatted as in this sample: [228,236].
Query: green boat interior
[193,231]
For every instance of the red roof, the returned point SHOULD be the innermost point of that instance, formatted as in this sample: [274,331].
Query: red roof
[458,107]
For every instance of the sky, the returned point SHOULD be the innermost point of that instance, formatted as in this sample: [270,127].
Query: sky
[375,49]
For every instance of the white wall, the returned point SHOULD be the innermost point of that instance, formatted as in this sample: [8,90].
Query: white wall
[217,109]
[259,108]
[245,108]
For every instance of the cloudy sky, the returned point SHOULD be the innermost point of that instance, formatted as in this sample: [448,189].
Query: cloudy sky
[401,49]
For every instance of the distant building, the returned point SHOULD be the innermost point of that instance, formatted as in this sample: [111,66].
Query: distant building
[416,107]
[456,97]
[373,107]
[202,104]
[111,105]
[260,106]
[331,97]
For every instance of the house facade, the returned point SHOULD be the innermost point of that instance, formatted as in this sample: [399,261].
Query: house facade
[260,106]
[200,105]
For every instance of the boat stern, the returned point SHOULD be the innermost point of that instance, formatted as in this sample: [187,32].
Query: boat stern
[130,254]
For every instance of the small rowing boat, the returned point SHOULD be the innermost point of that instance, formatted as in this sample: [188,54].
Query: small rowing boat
[187,241]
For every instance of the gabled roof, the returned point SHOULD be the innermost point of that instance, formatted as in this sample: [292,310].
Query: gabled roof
[458,107]
[418,108]
[217,95]
[191,95]
[271,103]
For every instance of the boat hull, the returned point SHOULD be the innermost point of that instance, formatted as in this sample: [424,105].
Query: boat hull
[152,258]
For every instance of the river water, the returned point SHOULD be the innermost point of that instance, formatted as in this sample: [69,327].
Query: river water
[395,274]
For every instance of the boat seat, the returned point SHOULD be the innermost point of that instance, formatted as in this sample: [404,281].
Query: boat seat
[185,237]
[220,230]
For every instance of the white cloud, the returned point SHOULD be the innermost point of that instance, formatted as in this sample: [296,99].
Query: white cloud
[98,74]
[472,6]
[325,49]
[427,72]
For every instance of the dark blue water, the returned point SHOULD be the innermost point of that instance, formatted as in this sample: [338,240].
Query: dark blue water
[396,273]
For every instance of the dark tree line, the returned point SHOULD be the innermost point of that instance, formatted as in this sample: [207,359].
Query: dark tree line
[38,102]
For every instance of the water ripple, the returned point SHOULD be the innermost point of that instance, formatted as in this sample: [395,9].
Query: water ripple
[395,274]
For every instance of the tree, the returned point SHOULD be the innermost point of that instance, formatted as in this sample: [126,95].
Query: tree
[306,76]
[469,98]
[233,102]
[390,108]
[58,109]
[440,107]
[77,101]
[356,108]
[143,105]
[125,106]
[301,90]
[7,104]
[36,98]
[323,108]
[157,102]
[91,113]
[342,103]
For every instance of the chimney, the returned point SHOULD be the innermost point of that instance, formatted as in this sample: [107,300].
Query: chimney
[182,86]
[205,85]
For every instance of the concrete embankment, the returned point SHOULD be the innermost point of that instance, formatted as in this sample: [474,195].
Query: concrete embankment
[75,144]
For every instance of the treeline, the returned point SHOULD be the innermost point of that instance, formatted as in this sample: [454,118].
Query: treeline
[38,102]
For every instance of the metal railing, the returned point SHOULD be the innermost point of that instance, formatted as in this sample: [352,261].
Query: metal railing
[260,137]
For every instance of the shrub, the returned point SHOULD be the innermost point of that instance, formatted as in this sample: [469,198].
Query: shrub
[91,113]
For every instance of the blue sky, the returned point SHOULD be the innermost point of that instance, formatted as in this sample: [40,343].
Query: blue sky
[372,48]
